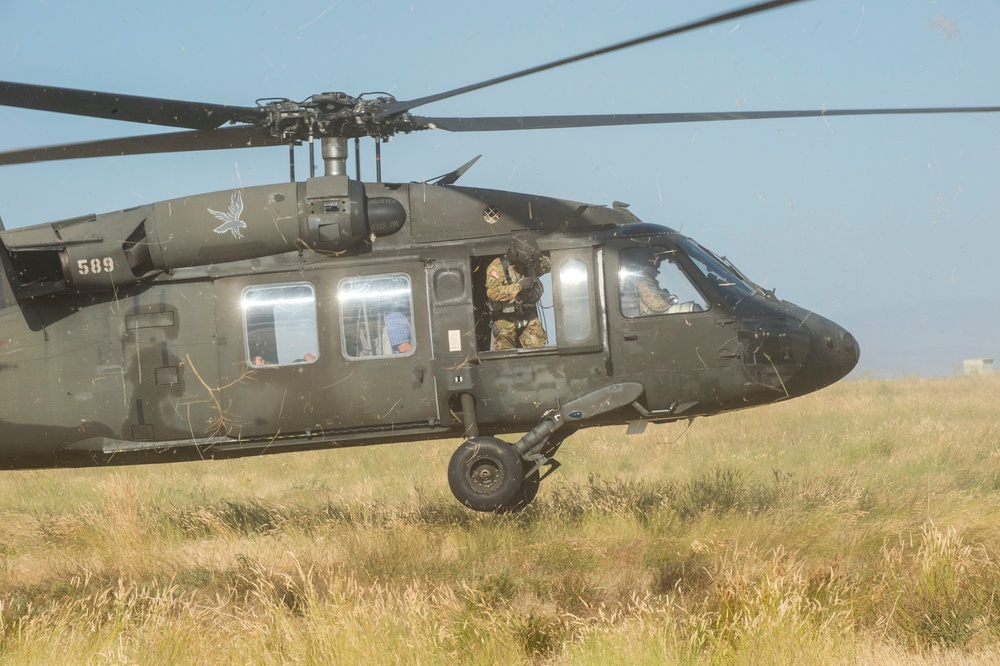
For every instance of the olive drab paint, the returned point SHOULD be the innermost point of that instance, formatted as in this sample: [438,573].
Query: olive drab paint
[332,312]
[140,336]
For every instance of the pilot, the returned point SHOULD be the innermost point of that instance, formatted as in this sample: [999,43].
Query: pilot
[513,288]
[641,294]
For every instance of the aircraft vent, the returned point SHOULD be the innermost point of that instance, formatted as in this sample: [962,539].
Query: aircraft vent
[136,250]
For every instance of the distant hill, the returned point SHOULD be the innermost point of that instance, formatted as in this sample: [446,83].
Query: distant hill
[923,339]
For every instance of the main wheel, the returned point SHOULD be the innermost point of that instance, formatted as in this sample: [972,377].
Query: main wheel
[486,474]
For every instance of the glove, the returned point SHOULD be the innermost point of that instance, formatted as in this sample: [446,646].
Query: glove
[527,283]
[531,290]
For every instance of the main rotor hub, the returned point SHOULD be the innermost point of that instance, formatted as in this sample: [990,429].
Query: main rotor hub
[336,115]
[332,114]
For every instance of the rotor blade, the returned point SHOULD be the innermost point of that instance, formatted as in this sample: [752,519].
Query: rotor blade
[173,142]
[452,177]
[132,108]
[507,123]
[398,107]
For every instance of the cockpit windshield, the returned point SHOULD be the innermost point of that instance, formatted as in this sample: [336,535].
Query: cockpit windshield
[720,272]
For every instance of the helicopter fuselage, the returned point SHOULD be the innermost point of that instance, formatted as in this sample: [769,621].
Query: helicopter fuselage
[258,321]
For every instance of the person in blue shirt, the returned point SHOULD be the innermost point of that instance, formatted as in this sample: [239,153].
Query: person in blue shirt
[397,326]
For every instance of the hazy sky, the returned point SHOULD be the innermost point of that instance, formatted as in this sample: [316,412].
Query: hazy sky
[840,215]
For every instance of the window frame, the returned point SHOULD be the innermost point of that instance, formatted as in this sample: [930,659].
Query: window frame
[285,335]
[384,303]
[573,303]
[692,292]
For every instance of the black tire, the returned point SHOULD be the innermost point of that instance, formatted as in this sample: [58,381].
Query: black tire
[487,474]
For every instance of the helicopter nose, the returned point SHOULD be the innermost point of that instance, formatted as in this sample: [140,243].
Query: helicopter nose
[833,354]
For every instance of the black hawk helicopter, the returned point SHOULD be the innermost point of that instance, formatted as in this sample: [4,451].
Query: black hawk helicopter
[333,312]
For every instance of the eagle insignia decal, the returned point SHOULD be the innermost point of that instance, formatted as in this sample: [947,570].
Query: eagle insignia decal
[231,221]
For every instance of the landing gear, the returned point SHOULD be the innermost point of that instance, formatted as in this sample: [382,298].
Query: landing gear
[487,474]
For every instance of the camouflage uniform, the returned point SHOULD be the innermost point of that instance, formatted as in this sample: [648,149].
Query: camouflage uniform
[515,316]
[653,299]
[641,295]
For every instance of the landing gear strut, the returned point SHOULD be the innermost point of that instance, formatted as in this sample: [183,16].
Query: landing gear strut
[488,474]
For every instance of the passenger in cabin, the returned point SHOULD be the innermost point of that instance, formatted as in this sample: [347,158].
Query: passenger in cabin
[400,332]
[513,289]
[308,357]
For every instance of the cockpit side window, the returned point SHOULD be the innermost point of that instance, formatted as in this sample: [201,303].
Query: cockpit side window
[280,324]
[651,282]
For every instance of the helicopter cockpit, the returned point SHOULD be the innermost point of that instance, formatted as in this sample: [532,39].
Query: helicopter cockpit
[651,282]
[732,284]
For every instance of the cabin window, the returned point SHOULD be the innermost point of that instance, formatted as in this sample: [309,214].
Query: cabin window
[279,323]
[448,285]
[376,316]
[576,290]
[575,293]
[650,282]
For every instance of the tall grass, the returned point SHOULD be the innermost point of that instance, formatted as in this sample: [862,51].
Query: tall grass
[855,525]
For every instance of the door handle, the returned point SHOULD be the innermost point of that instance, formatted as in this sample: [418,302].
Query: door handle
[631,337]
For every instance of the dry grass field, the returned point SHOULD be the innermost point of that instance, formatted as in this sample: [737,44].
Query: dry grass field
[857,525]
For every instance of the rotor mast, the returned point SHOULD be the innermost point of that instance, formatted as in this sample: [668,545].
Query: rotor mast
[334,150]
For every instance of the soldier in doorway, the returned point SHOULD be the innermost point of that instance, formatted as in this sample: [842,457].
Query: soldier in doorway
[513,288]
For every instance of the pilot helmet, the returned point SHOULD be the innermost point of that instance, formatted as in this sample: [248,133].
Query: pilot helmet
[523,251]
[647,260]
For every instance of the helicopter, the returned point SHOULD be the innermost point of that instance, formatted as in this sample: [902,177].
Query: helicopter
[331,312]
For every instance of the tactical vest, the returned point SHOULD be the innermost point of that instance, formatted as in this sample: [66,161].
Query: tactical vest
[510,309]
